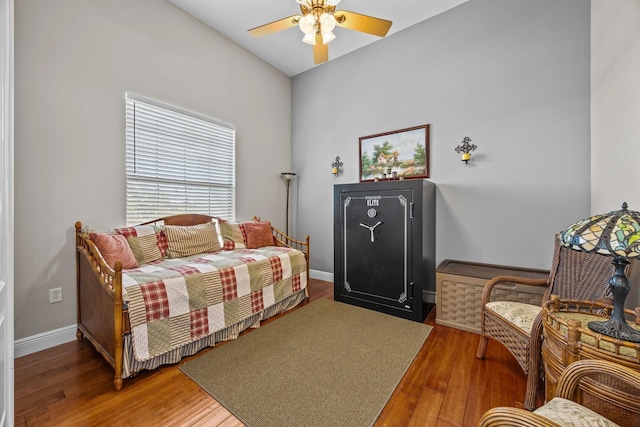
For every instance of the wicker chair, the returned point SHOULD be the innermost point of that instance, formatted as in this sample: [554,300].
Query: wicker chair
[518,326]
[588,391]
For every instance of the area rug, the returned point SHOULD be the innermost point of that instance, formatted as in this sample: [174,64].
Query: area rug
[325,364]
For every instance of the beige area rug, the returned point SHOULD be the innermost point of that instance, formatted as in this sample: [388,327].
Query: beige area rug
[326,364]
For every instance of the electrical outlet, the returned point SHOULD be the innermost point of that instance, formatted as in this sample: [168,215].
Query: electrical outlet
[55,295]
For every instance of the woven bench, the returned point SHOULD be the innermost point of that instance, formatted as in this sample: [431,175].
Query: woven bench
[459,286]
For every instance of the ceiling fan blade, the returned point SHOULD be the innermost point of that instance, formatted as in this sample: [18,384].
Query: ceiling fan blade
[275,26]
[320,51]
[363,23]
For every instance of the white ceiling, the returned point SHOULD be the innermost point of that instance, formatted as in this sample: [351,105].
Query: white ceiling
[285,49]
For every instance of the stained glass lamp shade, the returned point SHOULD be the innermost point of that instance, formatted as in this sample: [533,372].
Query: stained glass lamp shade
[615,234]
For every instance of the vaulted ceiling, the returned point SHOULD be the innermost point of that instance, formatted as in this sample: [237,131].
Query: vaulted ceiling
[285,50]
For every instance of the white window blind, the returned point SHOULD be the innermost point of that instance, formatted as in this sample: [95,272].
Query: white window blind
[177,162]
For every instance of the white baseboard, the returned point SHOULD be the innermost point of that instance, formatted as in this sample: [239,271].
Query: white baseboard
[43,341]
[321,275]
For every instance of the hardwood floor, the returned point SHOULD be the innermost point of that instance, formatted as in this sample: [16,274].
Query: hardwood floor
[446,385]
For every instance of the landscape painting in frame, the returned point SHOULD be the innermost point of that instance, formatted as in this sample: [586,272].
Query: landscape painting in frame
[402,154]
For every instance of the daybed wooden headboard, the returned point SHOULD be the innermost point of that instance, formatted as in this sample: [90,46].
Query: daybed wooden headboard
[183,219]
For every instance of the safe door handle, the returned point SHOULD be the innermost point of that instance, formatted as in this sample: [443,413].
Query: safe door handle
[371,229]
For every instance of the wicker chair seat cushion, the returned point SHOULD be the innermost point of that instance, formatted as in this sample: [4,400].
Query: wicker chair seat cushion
[568,413]
[519,314]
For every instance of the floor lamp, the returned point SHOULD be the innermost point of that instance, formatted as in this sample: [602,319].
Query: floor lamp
[288,176]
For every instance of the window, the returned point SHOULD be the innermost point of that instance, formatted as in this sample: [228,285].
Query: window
[177,161]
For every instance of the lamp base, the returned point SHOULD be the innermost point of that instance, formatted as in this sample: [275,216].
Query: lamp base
[617,326]
[616,329]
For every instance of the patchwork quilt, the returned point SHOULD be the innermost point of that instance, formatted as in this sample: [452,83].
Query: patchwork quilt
[175,301]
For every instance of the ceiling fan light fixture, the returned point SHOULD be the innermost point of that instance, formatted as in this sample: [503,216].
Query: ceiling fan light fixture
[327,36]
[309,38]
[317,20]
[307,24]
[327,22]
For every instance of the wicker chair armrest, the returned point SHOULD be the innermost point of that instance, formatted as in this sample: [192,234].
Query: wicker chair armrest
[513,417]
[500,280]
[571,376]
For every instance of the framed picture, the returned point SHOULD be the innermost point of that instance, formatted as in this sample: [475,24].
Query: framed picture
[402,153]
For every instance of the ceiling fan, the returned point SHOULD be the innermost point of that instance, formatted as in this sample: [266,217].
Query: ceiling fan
[317,21]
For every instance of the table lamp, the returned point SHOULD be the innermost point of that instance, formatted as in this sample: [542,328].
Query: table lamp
[616,234]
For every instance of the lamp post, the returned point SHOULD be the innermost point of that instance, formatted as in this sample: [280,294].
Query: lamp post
[288,176]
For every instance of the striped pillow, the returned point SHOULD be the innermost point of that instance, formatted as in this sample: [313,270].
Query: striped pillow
[191,240]
[148,242]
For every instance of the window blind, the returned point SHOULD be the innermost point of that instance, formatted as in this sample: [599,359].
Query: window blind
[177,162]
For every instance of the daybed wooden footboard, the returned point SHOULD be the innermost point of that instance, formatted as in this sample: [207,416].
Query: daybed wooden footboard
[100,315]
[103,319]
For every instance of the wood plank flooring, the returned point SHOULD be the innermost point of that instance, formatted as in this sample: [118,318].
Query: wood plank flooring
[71,385]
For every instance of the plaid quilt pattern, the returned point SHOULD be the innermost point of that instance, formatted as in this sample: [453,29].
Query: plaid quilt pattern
[296,283]
[199,324]
[276,268]
[175,301]
[155,301]
[229,287]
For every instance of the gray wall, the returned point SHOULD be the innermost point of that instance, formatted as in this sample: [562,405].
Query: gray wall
[615,108]
[513,75]
[75,60]
[615,104]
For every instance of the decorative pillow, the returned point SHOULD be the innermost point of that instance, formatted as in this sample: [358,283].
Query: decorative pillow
[191,240]
[232,235]
[114,247]
[258,234]
[520,314]
[148,242]
[567,412]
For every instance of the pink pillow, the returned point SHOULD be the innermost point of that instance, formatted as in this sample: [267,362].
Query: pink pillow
[258,234]
[114,247]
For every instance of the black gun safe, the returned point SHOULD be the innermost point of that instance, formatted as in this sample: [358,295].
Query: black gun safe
[384,245]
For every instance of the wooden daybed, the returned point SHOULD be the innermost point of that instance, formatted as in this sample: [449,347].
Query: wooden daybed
[107,307]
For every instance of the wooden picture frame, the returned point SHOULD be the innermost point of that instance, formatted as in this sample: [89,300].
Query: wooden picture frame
[398,154]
